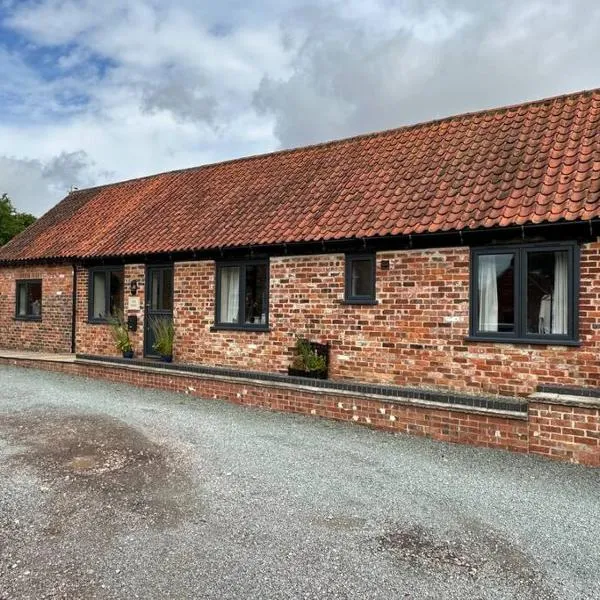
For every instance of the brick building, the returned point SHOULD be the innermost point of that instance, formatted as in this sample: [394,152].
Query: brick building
[455,262]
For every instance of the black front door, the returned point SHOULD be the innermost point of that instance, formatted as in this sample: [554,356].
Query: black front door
[159,301]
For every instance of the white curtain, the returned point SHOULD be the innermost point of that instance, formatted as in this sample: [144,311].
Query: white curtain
[230,294]
[99,295]
[488,294]
[560,296]
[22,300]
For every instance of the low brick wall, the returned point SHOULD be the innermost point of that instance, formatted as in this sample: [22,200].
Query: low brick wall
[568,433]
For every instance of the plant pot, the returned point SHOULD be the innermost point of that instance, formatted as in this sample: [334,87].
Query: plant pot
[166,358]
[127,353]
[310,374]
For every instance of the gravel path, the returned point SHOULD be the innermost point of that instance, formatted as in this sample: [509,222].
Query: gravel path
[108,491]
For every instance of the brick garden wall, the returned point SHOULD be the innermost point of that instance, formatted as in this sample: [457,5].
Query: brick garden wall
[570,433]
[53,332]
[556,431]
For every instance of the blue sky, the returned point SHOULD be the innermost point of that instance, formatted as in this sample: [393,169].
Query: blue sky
[93,92]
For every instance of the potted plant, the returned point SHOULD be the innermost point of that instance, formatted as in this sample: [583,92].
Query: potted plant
[164,333]
[120,333]
[309,359]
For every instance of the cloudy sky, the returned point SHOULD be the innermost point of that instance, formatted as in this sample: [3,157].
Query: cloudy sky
[97,91]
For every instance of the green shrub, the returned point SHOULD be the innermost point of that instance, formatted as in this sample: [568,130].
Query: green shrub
[120,333]
[306,358]
[164,333]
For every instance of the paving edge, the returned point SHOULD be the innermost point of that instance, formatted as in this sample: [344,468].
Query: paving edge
[37,356]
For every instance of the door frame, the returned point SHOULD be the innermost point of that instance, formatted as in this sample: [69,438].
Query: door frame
[149,352]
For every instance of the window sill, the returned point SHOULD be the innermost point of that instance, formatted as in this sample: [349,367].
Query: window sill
[247,328]
[98,322]
[34,319]
[348,302]
[522,341]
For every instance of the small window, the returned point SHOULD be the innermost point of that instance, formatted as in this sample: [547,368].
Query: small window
[525,293]
[105,293]
[29,299]
[360,278]
[242,295]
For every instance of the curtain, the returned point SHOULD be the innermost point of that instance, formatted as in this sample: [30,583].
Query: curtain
[230,294]
[561,293]
[488,294]
[99,307]
[22,300]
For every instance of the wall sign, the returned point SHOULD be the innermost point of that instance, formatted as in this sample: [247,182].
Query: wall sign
[133,303]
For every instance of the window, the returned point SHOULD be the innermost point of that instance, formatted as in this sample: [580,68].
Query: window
[29,300]
[360,278]
[525,293]
[105,293]
[243,294]
[159,296]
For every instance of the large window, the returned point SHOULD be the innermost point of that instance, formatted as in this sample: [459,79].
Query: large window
[360,278]
[29,299]
[525,293]
[242,294]
[105,293]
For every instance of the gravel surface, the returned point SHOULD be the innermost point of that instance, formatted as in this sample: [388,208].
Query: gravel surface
[108,491]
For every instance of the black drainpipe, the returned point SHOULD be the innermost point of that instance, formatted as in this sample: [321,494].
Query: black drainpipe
[74,309]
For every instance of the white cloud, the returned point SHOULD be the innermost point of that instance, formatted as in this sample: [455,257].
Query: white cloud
[37,184]
[99,91]
[461,56]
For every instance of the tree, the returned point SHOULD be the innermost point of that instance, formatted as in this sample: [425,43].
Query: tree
[11,221]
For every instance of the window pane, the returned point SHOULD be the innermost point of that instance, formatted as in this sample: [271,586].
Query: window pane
[229,301]
[495,290]
[34,299]
[547,292]
[116,292]
[167,290]
[154,290]
[99,295]
[256,287]
[361,277]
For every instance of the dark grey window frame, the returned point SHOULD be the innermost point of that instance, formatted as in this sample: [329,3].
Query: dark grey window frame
[103,269]
[241,325]
[27,283]
[371,298]
[520,335]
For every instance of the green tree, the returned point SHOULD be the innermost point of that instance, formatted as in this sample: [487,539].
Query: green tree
[11,221]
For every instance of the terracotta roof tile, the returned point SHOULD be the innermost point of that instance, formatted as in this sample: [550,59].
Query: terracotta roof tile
[531,163]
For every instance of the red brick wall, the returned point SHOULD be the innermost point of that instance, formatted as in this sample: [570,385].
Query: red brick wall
[556,431]
[415,335]
[95,338]
[53,333]
[570,433]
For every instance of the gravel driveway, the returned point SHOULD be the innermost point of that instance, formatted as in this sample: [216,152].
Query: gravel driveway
[109,491]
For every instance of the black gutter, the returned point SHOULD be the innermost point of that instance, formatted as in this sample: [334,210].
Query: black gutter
[583,231]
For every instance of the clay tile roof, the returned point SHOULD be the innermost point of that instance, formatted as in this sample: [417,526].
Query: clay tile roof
[533,163]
